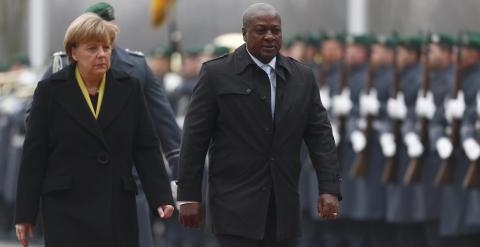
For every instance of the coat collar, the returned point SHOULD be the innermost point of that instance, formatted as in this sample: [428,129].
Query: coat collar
[242,60]
[70,98]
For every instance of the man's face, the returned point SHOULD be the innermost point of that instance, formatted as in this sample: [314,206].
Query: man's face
[405,57]
[331,51]
[263,35]
[437,58]
[469,57]
[356,55]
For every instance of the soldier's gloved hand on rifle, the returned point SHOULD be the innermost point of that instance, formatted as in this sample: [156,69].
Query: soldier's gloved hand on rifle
[444,147]
[369,104]
[454,108]
[341,103]
[425,107]
[396,107]
[387,143]
[414,146]
[325,97]
[471,148]
[358,141]
[336,135]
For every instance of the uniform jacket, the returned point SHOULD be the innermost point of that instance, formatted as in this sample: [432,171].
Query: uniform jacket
[80,168]
[250,154]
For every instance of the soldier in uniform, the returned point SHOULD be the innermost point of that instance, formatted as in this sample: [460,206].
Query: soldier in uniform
[159,61]
[328,76]
[403,201]
[346,104]
[134,63]
[457,203]
[441,71]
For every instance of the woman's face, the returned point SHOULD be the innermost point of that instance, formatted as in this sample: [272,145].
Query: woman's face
[92,57]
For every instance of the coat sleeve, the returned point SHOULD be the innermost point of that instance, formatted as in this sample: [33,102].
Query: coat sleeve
[148,159]
[198,130]
[34,158]
[163,118]
[319,139]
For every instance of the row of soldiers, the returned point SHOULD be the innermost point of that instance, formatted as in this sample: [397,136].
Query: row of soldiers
[404,113]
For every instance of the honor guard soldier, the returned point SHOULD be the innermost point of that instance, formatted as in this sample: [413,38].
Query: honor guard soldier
[404,200]
[457,217]
[439,50]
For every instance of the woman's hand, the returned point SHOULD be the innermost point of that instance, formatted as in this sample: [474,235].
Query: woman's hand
[165,211]
[22,231]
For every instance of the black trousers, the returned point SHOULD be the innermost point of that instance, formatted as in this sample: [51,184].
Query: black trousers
[269,238]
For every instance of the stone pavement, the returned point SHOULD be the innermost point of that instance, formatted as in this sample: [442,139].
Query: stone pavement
[14,244]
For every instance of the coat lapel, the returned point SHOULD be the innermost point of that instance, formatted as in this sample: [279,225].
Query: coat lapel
[285,90]
[73,102]
[117,93]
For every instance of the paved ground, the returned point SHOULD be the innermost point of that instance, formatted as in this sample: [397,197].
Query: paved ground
[14,244]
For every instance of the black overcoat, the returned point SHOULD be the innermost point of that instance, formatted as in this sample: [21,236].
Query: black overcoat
[252,154]
[79,168]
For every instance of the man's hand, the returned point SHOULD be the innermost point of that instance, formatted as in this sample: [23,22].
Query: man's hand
[328,206]
[22,231]
[165,211]
[190,215]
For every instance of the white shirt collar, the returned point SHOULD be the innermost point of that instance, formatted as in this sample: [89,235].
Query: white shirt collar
[259,63]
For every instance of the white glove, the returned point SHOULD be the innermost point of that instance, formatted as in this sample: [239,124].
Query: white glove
[444,147]
[358,141]
[336,135]
[471,148]
[414,146]
[325,97]
[341,103]
[369,104]
[425,107]
[454,108]
[396,107]
[387,142]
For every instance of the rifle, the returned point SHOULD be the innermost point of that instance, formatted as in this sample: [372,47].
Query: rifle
[413,173]
[341,119]
[472,178]
[360,165]
[391,167]
[445,173]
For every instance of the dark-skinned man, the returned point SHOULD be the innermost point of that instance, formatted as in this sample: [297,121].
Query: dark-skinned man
[251,110]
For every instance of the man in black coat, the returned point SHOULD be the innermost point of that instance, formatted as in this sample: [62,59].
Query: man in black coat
[251,110]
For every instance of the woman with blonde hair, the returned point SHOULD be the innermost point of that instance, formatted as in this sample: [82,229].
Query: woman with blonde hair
[88,126]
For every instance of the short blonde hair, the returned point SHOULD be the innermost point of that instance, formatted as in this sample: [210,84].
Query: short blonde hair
[88,27]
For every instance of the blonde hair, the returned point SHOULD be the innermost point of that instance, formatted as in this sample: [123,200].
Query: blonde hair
[88,27]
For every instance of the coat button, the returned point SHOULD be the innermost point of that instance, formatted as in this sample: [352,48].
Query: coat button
[248,90]
[103,158]
[264,97]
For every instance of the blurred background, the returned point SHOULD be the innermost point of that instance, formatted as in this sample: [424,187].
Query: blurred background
[44,21]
